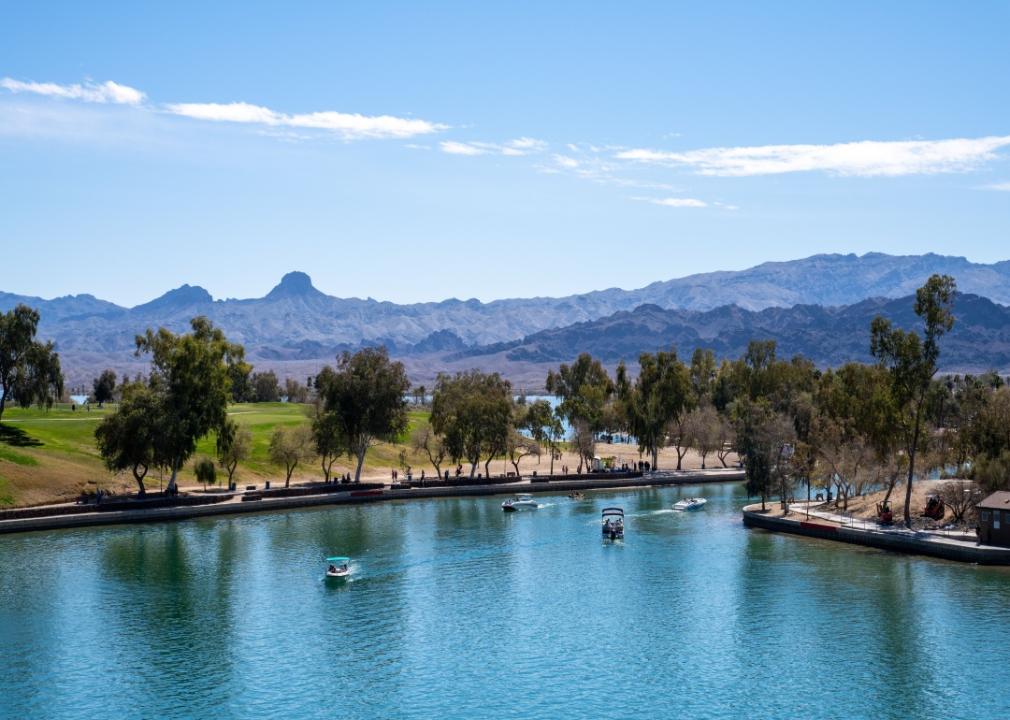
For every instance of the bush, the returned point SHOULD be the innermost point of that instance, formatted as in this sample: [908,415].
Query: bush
[206,471]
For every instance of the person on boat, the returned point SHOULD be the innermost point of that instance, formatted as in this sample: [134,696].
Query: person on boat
[332,569]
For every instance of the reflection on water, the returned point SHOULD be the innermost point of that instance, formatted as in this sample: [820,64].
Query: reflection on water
[456,609]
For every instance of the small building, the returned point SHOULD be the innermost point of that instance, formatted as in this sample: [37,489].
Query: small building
[994,519]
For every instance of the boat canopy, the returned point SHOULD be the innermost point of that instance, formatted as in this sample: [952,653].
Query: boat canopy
[613,511]
[338,560]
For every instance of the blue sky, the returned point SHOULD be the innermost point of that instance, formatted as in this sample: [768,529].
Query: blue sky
[412,152]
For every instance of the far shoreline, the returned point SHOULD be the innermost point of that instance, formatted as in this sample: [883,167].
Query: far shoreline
[235,506]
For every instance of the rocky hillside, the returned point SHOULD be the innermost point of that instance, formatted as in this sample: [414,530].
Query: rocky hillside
[297,322]
[827,335]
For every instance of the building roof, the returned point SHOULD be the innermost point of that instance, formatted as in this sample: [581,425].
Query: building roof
[997,501]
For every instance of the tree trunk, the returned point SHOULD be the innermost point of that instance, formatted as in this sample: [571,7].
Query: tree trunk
[487,467]
[172,488]
[139,477]
[3,402]
[655,460]
[357,470]
[552,461]
[473,468]
[911,468]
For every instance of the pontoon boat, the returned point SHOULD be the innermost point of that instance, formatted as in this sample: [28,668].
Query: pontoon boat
[613,523]
[338,567]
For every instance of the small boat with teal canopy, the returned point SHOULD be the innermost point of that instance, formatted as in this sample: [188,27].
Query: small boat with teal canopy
[338,567]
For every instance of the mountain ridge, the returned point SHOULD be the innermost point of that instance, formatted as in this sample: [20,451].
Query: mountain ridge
[296,321]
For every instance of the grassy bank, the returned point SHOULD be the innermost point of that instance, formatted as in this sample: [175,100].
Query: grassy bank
[51,456]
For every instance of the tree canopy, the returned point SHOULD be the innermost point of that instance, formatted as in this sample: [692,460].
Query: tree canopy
[29,370]
[364,396]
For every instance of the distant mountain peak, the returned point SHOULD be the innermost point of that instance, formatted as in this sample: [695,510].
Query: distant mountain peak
[182,296]
[294,284]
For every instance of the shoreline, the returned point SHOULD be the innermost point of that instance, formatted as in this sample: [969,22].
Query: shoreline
[896,539]
[235,505]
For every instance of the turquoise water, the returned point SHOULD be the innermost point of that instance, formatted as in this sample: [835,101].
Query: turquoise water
[458,610]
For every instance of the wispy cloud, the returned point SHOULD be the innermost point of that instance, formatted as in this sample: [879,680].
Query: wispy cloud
[1003,186]
[866,158]
[513,148]
[674,202]
[106,92]
[350,126]
[458,148]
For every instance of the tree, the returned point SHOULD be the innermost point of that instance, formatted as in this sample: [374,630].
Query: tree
[704,431]
[727,440]
[205,472]
[365,395]
[289,446]
[658,398]
[472,411]
[190,379]
[128,439]
[265,387]
[29,370]
[295,391]
[992,473]
[703,373]
[239,375]
[425,439]
[960,496]
[104,386]
[912,362]
[329,443]
[234,444]
[584,389]
[520,443]
[762,436]
[544,426]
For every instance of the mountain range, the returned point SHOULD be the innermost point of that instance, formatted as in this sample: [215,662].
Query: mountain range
[828,336]
[816,305]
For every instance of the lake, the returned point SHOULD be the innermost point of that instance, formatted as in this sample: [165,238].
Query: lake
[458,610]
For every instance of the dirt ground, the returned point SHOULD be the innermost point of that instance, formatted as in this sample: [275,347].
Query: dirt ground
[865,506]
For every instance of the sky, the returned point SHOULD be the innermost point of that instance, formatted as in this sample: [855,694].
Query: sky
[418,151]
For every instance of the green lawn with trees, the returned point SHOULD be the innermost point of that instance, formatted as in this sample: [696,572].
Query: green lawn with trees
[851,429]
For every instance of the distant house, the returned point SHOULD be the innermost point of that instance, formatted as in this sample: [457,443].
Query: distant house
[994,519]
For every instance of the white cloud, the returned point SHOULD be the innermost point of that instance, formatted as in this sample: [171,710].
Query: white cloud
[513,148]
[676,202]
[350,126]
[457,148]
[1004,186]
[866,158]
[106,92]
[566,161]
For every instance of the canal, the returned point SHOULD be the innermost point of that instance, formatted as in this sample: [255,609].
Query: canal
[458,610]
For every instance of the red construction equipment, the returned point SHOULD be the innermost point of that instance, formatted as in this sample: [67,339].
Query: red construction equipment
[935,508]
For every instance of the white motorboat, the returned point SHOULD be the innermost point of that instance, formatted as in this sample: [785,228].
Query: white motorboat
[338,567]
[520,502]
[613,523]
[690,504]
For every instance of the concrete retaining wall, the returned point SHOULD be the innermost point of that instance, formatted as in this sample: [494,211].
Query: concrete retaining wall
[355,496]
[917,544]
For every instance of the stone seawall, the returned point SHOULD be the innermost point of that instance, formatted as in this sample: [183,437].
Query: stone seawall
[352,496]
[916,543]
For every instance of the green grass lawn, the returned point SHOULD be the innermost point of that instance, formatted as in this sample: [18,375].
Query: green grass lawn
[48,456]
